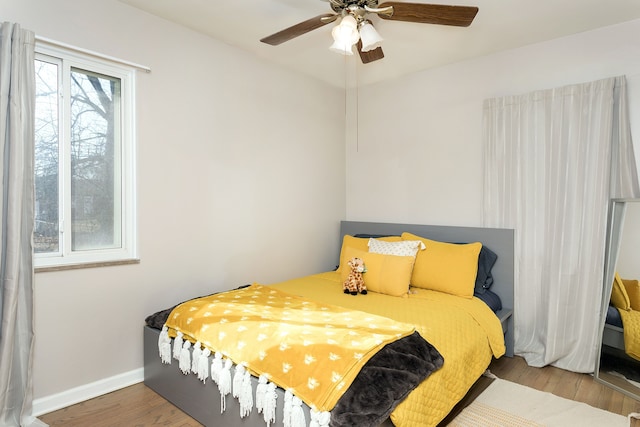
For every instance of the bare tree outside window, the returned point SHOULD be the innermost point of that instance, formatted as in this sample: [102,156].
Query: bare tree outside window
[93,148]
[46,230]
[94,126]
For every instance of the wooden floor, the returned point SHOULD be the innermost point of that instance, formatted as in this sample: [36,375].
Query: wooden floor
[140,406]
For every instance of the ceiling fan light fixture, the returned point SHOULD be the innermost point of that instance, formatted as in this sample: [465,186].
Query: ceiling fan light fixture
[352,14]
[371,39]
[345,35]
[349,21]
[342,48]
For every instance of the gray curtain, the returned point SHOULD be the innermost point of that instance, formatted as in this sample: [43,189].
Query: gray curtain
[17,103]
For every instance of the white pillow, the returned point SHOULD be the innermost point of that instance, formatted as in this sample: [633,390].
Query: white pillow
[403,248]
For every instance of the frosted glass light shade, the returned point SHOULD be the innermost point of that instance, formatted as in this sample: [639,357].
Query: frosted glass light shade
[349,21]
[345,35]
[342,48]
[371,39]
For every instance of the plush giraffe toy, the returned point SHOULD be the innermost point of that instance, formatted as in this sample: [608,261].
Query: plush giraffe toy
[355,282]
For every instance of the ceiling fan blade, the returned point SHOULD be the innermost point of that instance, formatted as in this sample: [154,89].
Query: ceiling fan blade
[371,55]
[299,29]
[459,16]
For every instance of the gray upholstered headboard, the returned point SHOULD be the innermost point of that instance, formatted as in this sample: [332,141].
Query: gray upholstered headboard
[499,240]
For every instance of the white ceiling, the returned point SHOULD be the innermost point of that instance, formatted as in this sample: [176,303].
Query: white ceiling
[408,47]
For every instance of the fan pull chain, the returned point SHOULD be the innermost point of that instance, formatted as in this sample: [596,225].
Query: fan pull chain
[346,100]
[357,109]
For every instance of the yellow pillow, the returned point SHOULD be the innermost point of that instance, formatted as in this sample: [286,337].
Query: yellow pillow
[633,292]
[446,267]
[361,243]
[619,297]
[385,274]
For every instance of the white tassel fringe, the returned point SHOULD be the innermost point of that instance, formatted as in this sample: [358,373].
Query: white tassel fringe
[195,357]
[216,367]
[203,365]
[185,358]
[224,384]
[237,380]
[164,346]
[245,397]
[270,403]
[261,389]
[320,419]
[286,410]
[297,414]
[177,346]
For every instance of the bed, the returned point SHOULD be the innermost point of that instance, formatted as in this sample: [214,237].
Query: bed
[431,399]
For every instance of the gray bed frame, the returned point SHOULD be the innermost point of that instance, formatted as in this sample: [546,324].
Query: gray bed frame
[202,401]
[613,336]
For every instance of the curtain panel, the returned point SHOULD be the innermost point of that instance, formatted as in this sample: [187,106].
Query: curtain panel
[17,104]
[552,161]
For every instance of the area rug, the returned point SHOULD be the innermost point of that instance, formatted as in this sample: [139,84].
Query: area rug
[504,403]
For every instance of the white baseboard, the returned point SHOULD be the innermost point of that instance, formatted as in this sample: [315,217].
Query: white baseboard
[47,404]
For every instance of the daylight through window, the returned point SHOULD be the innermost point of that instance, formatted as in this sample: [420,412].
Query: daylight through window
[83,160]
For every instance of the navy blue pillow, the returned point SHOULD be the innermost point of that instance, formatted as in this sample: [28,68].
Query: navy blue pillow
[613,317]
[491,299]
[486,259]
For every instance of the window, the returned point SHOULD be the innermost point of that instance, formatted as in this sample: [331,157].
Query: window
[84,168]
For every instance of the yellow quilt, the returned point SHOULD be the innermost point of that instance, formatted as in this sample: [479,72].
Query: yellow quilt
[631,328]
[465,331]
[315,349]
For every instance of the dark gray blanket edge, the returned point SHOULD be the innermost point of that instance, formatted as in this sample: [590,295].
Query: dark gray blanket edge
[385,380]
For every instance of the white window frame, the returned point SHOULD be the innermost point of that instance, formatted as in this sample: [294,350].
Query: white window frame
[127,252]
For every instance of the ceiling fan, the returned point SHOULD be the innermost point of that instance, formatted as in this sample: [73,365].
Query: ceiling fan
[356,28]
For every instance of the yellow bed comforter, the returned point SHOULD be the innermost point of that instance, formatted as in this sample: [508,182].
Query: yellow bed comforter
[631,328]
[465,332]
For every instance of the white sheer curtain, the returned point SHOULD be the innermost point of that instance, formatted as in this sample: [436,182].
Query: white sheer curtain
[17,103]
[552,161]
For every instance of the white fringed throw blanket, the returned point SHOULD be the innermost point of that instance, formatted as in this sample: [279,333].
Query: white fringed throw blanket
[312,350]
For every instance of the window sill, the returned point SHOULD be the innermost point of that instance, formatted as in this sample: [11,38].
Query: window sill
[47,269]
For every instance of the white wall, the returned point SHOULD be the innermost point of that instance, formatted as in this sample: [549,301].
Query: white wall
[418,155]
[240,178]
